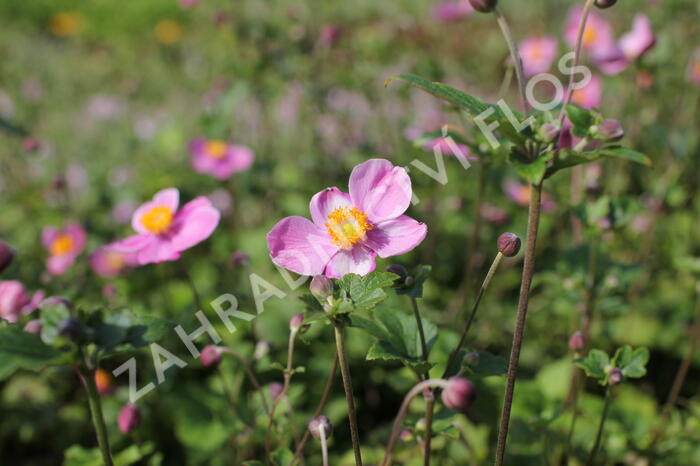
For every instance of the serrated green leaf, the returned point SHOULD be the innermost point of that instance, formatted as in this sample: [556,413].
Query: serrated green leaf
[594,364]
[23,350]
[420,275]
[532,171]
[633,362]
[580,118]
[365,292]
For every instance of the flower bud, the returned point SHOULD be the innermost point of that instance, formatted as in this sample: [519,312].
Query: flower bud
[549,132]
[399,270]
[240,259]
[577,342]
[72,329]
[262,349]
[129,418]
[509,244]
[104,382]
[6,255]
[459,394]
[471,359]
[615,376]
[210,356]
[603,4]
[406,436]
[609,131]
[33,326]
[315,427]
[484,6]
[321,287]
[276,389]
[296,322]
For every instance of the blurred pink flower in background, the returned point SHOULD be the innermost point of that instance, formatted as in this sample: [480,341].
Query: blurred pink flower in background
[188,3]
[122,211]
[220,159]
[448,147]
[63,246]
[493,214]
[598,38]
[590,95]
[108,262]
[105,107]
[221,200]
[631,46]
[538,54]
[452,10]
[329,35]
[164,232]
[15,301]
[520,194]
[348,231]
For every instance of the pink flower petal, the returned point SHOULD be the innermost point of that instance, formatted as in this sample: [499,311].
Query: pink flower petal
[325,202]
[299,245]
[57,265]
[169,198]
[77,234]
[157,250]
[193,224]
[359,260]
[382,190]
[47,236]
[397,236]
[639,40]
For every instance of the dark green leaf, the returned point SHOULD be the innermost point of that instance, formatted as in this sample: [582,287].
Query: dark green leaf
[23,350]
[420,275]
[580,118]
[594,364]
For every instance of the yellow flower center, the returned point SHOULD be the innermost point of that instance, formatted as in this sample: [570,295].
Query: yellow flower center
[115,260]
[347,226]
[63,244]
[589,36]
[66,24]
[158,219]
[536,53]
[216,149]
[167,31]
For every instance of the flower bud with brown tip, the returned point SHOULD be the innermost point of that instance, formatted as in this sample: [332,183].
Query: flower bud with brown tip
[509,244]
[210,356]
[459,394]
[315,425]
[603,4]
[484,6]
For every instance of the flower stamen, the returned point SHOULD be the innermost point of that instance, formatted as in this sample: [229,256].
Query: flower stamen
[347,226]
[62,244]
[158,219]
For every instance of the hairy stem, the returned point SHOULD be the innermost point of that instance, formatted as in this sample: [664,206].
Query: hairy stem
[515,56]
[599,435]
[430,405]
[319,408]
[475,307]
[324,447]
[528,272]
[280,397]
[424,385]
[347,386]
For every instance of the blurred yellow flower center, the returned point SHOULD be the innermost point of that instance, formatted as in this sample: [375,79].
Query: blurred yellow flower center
[167,31]
[589,36]
[536,52]
[578,97]
[115,260]
[158,219]
[215,149]
[66,24]
[347,226]
[62,244]
[697,69]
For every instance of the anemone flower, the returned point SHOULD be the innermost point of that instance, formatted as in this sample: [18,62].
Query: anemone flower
[108,262]
[220,159]
[63,246]
[590,95]
[598,38]
[164,232]
[452,10]
[15,300]
[538,54]
[632,46]
[350,229]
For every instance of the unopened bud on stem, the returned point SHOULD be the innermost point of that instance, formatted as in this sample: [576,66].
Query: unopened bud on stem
[210,356]
[609,131]
[509,244]
[6,255]
[577,342]
[129,418]
[484,6]
[603,4]
[315,427]
[459,394]
[296,322]
[321,287]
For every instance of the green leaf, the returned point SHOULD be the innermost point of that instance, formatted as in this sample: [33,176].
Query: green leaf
[469,104]
[632,362]
[581,119]
[594,364]
[568,158]
[398,338]
[420,275]
[487,364]
[77,455]
[51,317]
[627,154]
[443,423]
[368,291]
[23,350]
[532,171]
[282,456]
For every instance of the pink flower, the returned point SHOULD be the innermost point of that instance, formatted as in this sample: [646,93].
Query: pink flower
[448,147]
[590,95]
[520,194]
[694,69]
[598,38]
[15,301]
[63,246]
[631,46]
[164,232]
[108,262]
[538,54]
[348,231]
[219,159]
[452,10]
[185,4]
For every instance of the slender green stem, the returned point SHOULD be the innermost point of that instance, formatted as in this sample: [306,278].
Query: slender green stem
[430,398]
[528,272]
[475,307]
[515,56]
[347,386]
[421,332]
[319,408]
[599,435]
[572,426]
[324,447]
[287,379]
[419,388]
[98,418]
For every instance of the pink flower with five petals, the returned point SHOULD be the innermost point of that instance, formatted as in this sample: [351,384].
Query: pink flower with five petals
[164,232]
[220,159]
[350,229]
